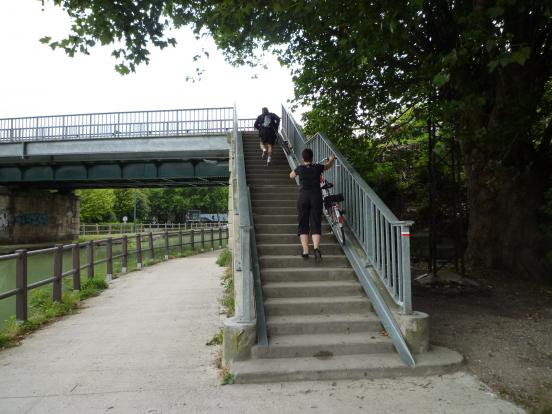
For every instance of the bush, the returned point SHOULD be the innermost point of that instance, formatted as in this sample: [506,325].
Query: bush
[225,258]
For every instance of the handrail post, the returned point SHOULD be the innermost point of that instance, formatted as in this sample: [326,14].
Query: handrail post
[192,241]
[58,266]
[405,247]
[90,259]
[151,247]
[138,251]
[124,257]
[180,246]
[220,236]
[202,239]
[21,285]
[109,263]
[166,236]
[212,239]
[76,267]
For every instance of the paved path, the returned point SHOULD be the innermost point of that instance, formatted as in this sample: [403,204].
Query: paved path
[140,348]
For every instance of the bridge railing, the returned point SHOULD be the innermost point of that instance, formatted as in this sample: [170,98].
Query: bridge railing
[71,259]
[175,122]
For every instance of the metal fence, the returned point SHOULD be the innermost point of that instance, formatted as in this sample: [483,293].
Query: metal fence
[123,228]
[118,124]
[384,238]
[179,240]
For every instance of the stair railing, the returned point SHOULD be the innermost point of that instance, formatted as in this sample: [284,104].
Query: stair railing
[248,263]
[383,238]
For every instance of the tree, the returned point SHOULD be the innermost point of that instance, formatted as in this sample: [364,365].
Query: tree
[124,204]
[479,68]
[96,205]
[172,204]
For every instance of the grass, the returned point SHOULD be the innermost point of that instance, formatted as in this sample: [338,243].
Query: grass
[43,309]
[225,258]
[227,377]
[228,299]
[217,338]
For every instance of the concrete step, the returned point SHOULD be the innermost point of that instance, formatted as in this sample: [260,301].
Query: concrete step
[307,274]
[316,305]
[323,345]
[290,238]
[291,249]
[309,289]
[275,261]
[278,165]
[274,191]
[259,205]
[275,218]
[276,180]
[289,193]
[437,361]
[281,228]
[318,324]
[278,210]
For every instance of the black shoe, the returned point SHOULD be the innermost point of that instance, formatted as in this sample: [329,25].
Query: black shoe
[317,255]
[305,255]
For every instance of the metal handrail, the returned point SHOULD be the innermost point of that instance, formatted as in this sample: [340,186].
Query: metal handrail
[249,264]
[173,122]
[382,237]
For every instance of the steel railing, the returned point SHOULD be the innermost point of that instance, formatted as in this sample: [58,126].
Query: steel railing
[248,258]
[122,228]
[180,240]
[175,122]
[383,238]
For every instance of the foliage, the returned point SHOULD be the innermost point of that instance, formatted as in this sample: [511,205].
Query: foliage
[172,204]
[124,204]
[225,258]
[165,204]
[92,287]
[217,338]
[228,298]
[96,205]
[478,69]
[227,377]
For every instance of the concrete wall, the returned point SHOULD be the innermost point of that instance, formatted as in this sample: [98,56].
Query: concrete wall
[36,216]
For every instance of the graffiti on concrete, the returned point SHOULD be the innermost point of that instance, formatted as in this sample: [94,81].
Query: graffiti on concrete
[4,220]
[31,219]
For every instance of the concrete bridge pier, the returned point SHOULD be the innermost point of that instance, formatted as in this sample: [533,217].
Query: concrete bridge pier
[29,216]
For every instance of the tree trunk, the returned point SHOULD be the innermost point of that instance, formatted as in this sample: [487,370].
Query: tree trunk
[503,227]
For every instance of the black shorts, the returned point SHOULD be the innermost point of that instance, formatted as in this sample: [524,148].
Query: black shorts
[267,136]
[309,212]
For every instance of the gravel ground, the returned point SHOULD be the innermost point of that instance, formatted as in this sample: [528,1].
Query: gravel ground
[503,327]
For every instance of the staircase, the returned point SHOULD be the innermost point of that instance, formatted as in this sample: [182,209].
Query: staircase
[320,323]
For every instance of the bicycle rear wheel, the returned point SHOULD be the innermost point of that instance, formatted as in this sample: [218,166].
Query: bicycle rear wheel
[337,225]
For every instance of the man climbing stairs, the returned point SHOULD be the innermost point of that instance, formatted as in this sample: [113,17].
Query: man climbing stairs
[320,323]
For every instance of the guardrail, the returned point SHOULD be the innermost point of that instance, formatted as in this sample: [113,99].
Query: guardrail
[248,262]
[382,237]
[184,239]
[176,122]
[122,228]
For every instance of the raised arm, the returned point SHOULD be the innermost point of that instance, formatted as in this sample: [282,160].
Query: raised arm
[329,162]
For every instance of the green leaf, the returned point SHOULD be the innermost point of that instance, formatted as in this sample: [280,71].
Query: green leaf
[441,78]
[45,39]
[521,55]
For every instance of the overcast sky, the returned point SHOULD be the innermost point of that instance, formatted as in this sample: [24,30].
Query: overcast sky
[34,80]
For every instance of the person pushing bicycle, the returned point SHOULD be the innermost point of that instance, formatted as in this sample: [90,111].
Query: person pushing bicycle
[309,201]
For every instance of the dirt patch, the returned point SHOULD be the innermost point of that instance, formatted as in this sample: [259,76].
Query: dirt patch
[503,329]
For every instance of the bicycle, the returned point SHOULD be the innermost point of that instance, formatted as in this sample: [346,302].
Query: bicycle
[332,207]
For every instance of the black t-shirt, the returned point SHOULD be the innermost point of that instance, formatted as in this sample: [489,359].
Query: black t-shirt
[309,176]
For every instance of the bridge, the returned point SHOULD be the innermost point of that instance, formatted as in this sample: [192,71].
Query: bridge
[349,316]
[118,149]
